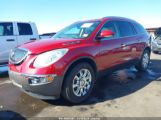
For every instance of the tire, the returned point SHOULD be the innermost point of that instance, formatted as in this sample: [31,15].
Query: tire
[144,61]
[75,83]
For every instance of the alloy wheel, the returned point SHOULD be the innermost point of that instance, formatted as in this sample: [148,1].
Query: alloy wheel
[82,82]
[145,60]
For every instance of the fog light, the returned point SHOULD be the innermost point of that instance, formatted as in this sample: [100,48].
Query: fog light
[40,80]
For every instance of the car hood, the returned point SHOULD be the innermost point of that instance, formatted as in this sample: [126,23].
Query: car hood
[41,46]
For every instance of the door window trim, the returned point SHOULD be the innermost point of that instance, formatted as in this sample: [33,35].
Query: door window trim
[130,23]
[117,32]
[12,29]
[32,33]
[118,37]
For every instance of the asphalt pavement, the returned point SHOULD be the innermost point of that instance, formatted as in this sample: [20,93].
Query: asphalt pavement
[125,93]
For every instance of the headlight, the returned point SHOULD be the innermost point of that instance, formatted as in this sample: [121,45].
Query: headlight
[48,58]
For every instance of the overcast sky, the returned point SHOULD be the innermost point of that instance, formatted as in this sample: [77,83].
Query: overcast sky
[53,15]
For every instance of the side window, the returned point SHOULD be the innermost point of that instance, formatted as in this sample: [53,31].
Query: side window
[109,26]
[6,29]
[24,29]
[125,28]
[140,29]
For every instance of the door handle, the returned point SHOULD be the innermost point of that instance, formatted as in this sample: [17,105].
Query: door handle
[33,39]
[10,40]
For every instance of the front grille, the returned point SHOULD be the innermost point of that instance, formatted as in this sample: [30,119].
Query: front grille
[17,55]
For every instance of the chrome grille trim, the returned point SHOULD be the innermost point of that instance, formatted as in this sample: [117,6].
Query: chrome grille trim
[13,54]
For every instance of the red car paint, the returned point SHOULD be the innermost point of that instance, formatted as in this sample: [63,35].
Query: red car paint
[104,53]
[98,51]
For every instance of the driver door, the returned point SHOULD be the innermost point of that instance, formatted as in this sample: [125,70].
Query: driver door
[110,47]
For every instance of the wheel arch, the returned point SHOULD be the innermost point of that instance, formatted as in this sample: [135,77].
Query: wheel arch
[146,48]
[87,59]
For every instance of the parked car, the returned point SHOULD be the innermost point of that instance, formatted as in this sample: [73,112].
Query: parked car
[13,34]
[156,44]
[69,63]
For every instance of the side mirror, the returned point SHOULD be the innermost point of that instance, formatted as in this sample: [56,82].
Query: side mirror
[106,33]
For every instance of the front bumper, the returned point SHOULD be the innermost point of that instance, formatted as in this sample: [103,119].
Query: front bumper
[50,90]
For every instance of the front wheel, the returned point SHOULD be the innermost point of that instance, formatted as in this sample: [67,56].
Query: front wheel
[144,61]
[79,83]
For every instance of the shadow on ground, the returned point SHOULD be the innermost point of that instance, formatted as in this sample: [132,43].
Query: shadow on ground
[157,53]
[118,84]
[9,115]
[109,88]
[3,71]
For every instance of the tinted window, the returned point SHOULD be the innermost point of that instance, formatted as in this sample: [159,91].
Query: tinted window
[24,29]
[125,28]
[139,28]
[109,26]
[6,29]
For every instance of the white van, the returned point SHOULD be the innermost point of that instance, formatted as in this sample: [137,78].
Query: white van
[13,34]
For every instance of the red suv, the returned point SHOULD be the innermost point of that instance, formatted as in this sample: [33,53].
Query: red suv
[69,63]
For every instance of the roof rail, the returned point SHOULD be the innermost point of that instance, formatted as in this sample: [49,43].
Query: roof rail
[114,17]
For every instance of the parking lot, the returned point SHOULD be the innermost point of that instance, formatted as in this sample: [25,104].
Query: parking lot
[125,93]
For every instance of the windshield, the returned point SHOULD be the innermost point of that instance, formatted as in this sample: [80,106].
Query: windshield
[77,30]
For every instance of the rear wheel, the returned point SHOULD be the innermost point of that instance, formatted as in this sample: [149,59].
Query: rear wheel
[144,61]
[79,83]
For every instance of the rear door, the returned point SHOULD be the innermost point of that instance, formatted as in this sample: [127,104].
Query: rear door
[25,33]
[8,40]
[141,38]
